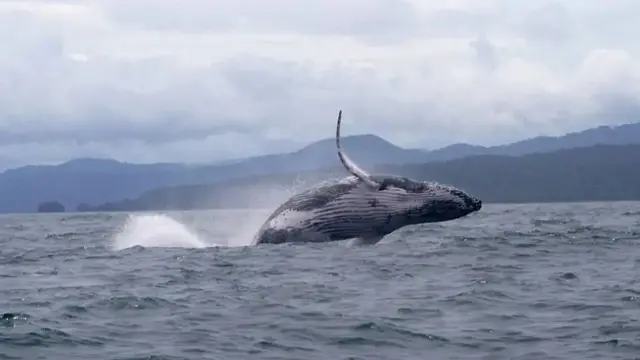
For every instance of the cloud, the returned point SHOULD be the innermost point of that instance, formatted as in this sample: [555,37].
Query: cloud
[203,80]
[391,19]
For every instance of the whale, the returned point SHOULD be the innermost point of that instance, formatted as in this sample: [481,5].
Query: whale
[362,207]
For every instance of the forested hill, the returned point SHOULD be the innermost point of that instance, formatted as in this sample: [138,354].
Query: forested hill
[595,173]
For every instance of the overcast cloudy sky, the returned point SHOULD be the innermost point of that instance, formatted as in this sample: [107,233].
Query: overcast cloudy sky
[199,80]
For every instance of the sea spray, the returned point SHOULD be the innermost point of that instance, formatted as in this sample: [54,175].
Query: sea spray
[224,228]
[156,230]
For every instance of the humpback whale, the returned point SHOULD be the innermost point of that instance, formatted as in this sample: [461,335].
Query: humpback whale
[363,207]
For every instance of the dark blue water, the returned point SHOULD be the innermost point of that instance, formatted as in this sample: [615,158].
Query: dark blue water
[556,281]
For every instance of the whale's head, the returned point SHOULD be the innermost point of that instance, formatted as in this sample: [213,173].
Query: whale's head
[423,202]
[411,201]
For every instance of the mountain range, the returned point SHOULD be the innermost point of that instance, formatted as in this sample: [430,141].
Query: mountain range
[593,173]
[96,181]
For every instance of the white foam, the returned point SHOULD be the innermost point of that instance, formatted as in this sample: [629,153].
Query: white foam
[156,230]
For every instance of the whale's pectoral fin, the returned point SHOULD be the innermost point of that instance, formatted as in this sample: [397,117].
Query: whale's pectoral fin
[368,240]
[351,166]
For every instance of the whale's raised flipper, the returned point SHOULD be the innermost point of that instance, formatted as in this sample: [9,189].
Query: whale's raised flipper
[350,165]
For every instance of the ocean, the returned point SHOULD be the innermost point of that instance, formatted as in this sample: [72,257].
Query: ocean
[533,281]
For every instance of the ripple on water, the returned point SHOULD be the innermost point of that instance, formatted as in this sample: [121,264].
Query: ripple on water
[549,281]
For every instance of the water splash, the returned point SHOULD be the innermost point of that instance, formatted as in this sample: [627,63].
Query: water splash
[156,230]
[232,228]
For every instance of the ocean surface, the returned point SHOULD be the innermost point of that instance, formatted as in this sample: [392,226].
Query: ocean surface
[535,281]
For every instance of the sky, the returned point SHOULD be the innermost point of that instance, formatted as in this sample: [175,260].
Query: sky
[202,80]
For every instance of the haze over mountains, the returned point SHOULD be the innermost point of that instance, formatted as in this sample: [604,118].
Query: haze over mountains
[96,181]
